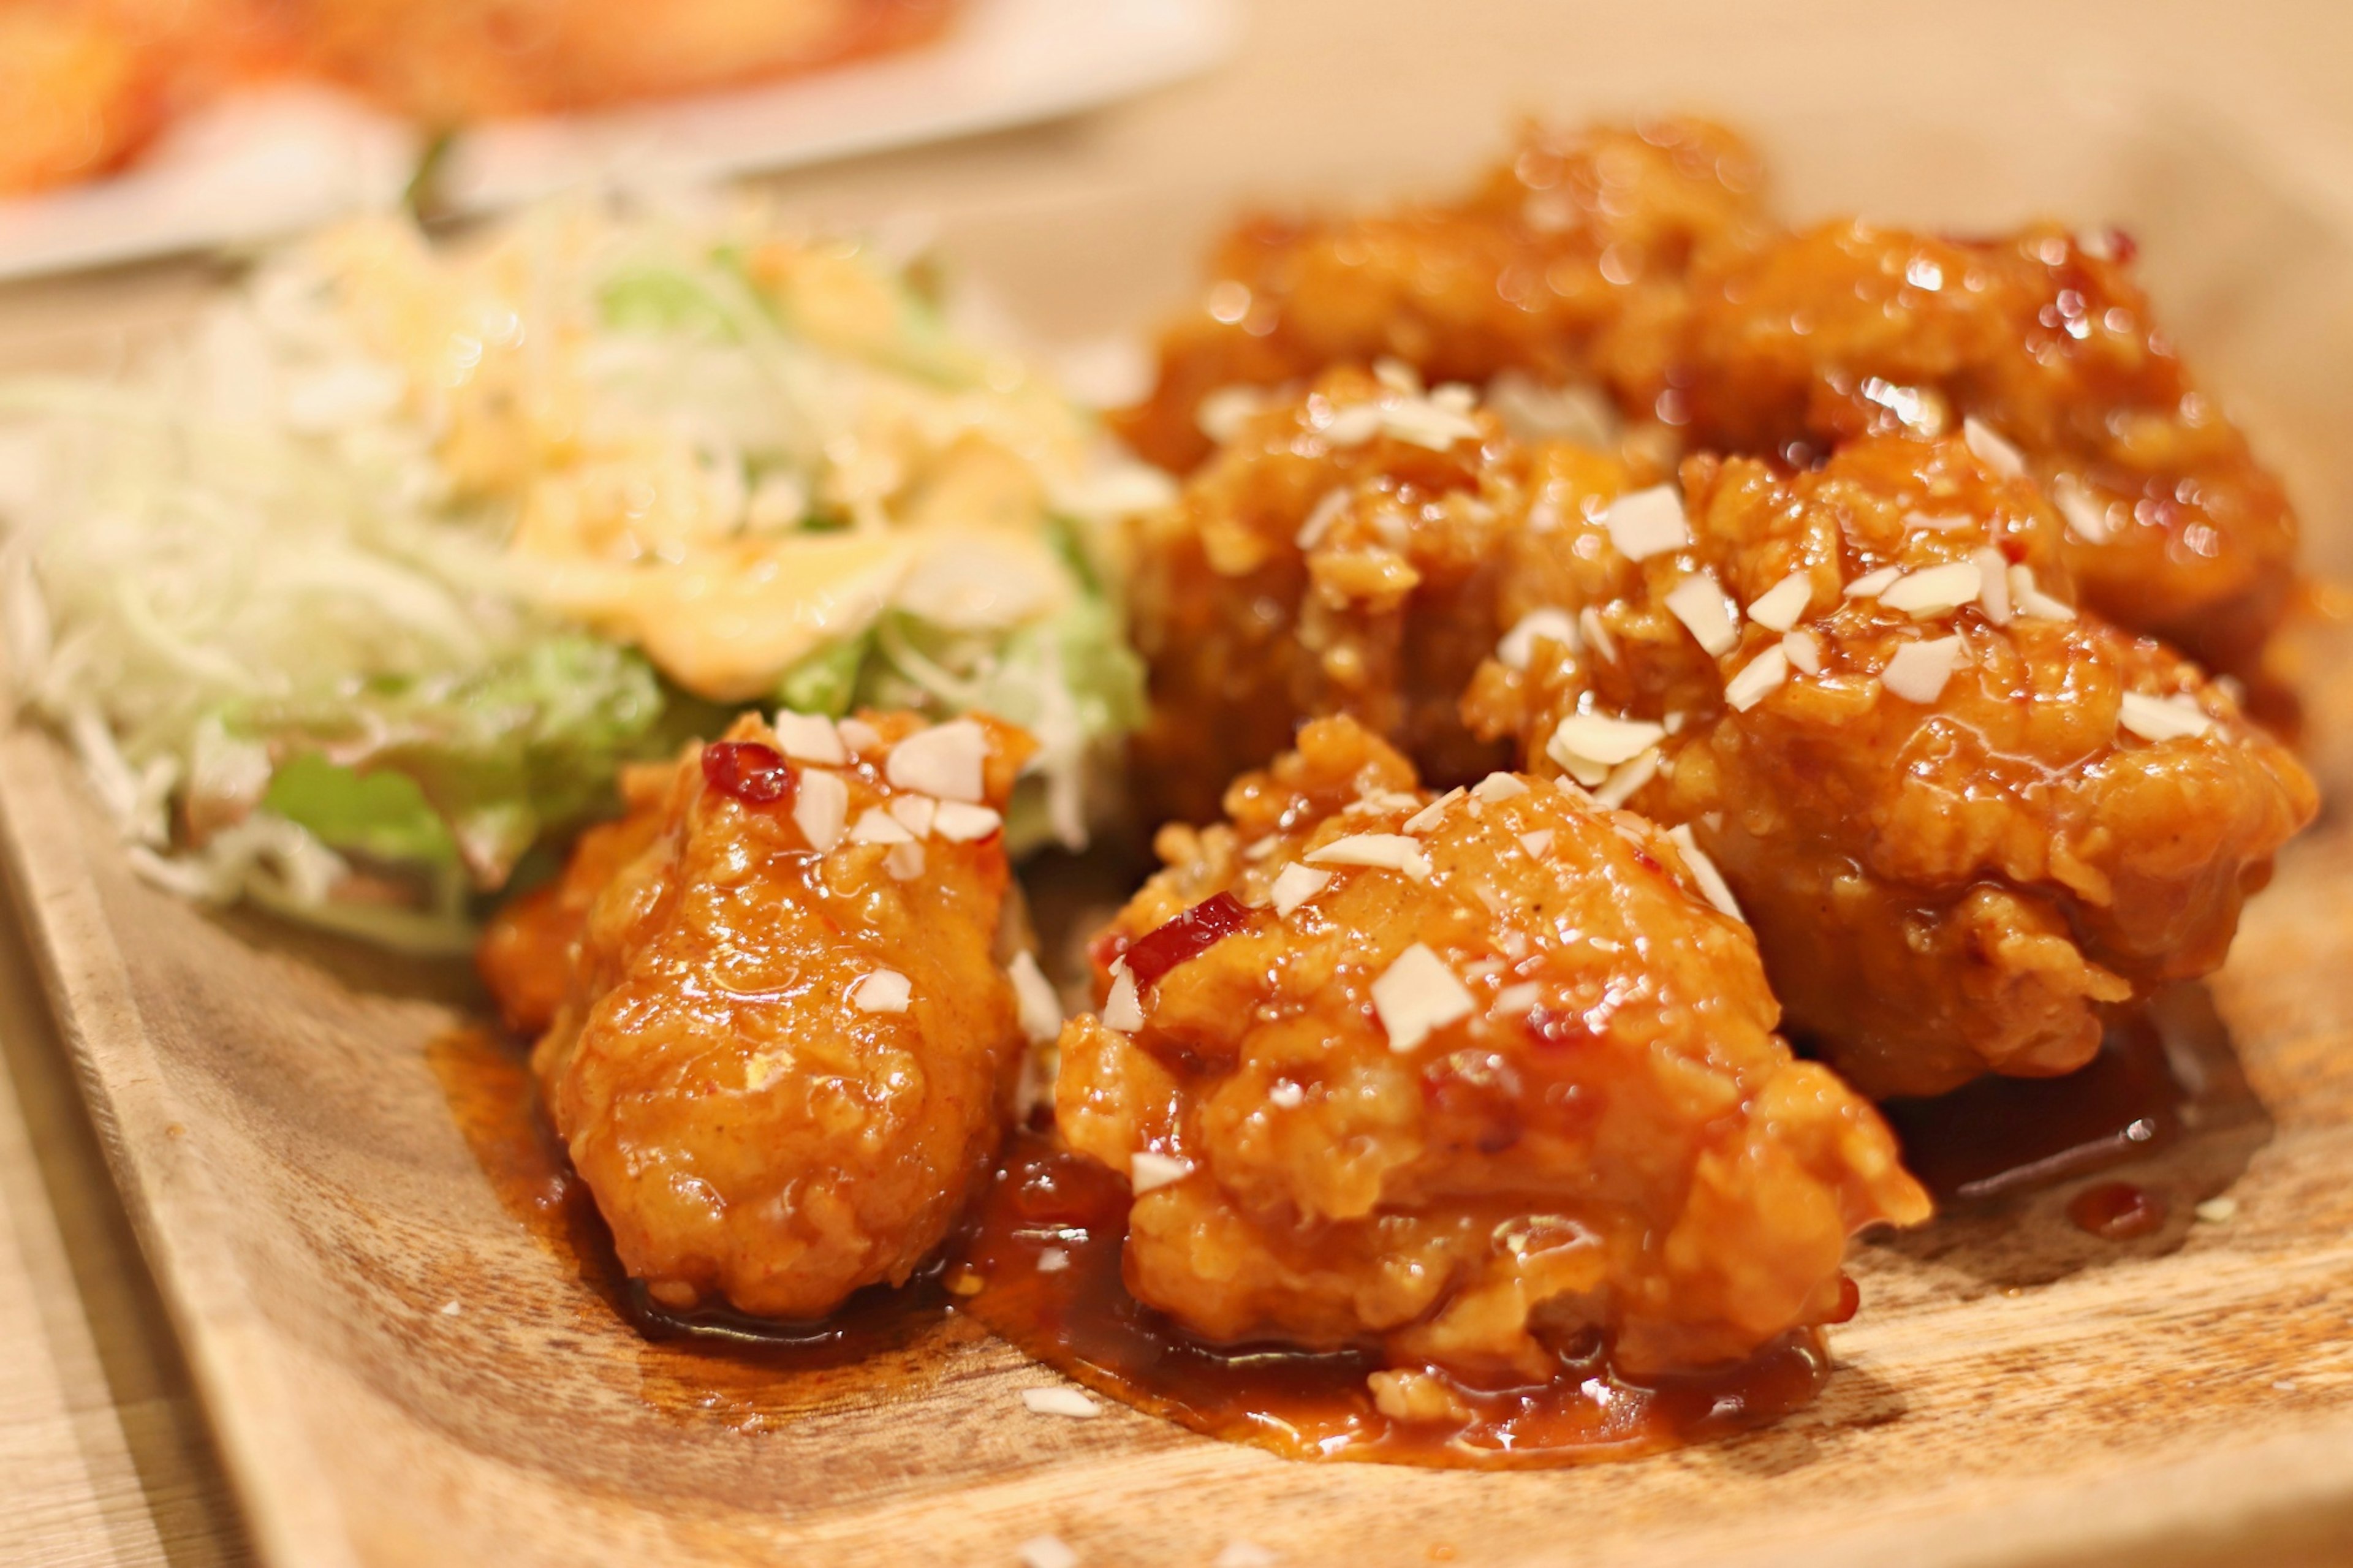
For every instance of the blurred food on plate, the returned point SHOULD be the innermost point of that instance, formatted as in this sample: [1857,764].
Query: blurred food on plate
[86,86]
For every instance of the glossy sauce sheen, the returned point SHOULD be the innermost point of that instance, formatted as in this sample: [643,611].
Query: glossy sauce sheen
[1997,1139]
[1080,1321]
[743,1373]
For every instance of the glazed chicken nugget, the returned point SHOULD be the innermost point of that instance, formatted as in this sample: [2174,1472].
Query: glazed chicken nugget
[1962,813]
[2045,339]
[1474,1080]
[1340,555]
[786,1048]
[1567,263]
[527,951]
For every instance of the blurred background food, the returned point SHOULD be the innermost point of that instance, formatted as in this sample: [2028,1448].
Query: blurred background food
[86,85]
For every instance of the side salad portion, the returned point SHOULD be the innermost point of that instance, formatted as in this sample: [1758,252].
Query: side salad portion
[355,598]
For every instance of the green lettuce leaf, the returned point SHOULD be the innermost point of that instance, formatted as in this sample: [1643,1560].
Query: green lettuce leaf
[504,757]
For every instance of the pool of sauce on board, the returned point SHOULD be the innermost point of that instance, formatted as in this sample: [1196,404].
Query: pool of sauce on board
[2039,1176]
[2164,1104]
[1079,1319]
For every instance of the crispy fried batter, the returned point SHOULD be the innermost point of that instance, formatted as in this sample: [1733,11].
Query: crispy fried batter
[1323,562]
[752,1130]
[1568,262]
[1611,1139]
[2174,528]
[1941,887]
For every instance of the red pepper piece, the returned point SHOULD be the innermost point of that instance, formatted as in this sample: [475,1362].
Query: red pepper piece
[752,773]
[1187,936]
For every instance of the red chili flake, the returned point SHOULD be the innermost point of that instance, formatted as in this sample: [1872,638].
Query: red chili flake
[2122,247]
[1107,949]
[1187,936]
[1850,1299]
[752,773]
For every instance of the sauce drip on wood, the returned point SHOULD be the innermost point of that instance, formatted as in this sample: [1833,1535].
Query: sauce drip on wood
[1078,1319]
[2118,1211]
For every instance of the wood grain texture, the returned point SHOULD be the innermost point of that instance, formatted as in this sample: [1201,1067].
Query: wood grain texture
[102,1441]
[297,1181]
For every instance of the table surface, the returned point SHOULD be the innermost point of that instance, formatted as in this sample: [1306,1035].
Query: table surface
[103,1454]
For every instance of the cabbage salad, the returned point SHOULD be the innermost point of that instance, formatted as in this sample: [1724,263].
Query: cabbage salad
[355,599]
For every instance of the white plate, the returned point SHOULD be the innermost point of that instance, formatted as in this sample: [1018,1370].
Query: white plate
[272,162]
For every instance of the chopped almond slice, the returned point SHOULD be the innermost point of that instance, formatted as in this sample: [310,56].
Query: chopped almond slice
[1647,522]
[822,808]
[1382,851]
[1546,624]
[959,823]
[2088,517]
[2163,718]
[859,735]
[1039,1010]
[876,826]
[1597,636]
[806,738]
[1050,1551]
[914,813]
[1417,994]
[1059,1402]
[904,861]
[1993,451]
[1123,1009]
[1148,1171]
[1783,604]
[2032,602]
[883,991]
[1919,671]
[1626,779]
[1705,876]
[1516,1000]
[1803,652]
[1699,602]
[944,761]
[1757,678]
[1934,590]
[1319,522]
[1587,745]
[1430,815]
[1498,787]
[1294,885]
[1871,584]
[1426,422]
[1537,844]
[1993,584]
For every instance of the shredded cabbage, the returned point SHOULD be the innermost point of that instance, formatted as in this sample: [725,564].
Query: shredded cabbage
[364,588]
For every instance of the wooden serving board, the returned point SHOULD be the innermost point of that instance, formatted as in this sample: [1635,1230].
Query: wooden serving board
[269,1104]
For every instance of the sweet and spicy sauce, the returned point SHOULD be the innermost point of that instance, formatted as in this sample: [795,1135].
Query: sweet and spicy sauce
[747,1372]
[1044,1247]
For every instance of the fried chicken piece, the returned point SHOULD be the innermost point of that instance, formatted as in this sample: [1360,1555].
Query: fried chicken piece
[1469,1080]
[527,951]
[1962,814]
[2174,529]
[1339,556]
[1567,263]
[786,1047]
[453,62]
